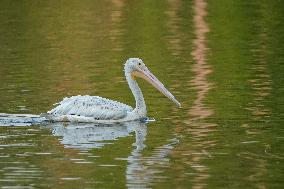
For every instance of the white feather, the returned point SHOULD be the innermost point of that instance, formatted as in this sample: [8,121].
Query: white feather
[94,107]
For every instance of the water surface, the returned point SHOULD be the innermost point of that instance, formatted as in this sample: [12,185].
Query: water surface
[223,60]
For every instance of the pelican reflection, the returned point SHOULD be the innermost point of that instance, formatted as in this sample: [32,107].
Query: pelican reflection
[84,136]
[141,170]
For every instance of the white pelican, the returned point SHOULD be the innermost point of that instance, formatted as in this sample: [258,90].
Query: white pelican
[101,110]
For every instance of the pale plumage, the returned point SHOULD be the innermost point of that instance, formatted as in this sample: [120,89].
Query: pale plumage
[102,110]
[91,106]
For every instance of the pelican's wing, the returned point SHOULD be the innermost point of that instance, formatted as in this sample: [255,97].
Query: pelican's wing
[91,106]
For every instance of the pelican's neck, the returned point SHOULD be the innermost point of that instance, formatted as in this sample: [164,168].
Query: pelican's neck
[140,108]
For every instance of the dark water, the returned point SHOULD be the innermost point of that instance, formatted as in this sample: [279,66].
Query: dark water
[222,59]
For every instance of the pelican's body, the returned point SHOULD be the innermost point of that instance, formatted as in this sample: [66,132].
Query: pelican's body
[101,110]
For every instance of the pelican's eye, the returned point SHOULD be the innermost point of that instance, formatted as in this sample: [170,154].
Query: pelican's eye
[139,64]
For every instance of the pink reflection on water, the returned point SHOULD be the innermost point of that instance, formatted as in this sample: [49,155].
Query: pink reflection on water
[201,69]
[199,128]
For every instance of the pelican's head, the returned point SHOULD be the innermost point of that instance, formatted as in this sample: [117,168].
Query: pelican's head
[136,68]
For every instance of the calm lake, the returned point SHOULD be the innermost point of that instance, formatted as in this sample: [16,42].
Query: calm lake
[223,60]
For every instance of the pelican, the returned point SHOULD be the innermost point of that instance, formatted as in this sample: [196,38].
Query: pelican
[101,110]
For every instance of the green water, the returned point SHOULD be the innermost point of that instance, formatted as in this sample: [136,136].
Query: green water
[223,60]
